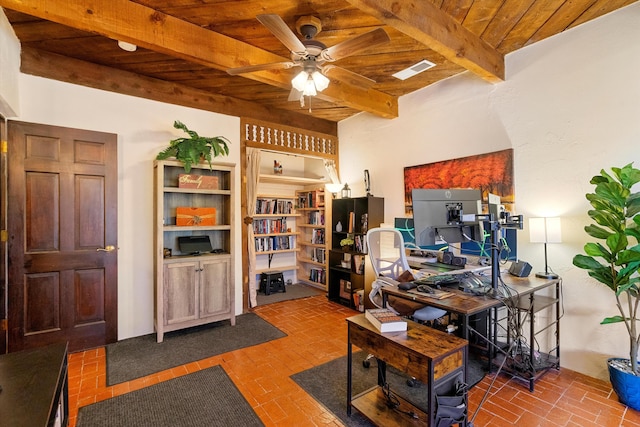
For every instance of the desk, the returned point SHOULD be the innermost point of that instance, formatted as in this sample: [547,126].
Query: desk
[435,358]
[466,305]
[34,387]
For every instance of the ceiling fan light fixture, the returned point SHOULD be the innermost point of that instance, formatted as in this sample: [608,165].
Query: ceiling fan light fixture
[320,80]
[310,89]
[299,82]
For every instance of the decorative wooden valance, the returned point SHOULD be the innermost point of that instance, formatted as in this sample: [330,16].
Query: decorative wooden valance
[276,137]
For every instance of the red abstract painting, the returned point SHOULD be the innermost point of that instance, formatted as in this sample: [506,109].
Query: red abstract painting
[491,173]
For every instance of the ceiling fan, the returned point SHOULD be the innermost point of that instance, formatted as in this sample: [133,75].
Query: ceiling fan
[313,56]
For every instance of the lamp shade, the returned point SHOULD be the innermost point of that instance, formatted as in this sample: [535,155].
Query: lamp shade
[310,84]
[545,230]
[320,81]
[299,82]
[334,187]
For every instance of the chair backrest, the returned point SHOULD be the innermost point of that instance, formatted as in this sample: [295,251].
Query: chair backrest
[387,257]
[387,252]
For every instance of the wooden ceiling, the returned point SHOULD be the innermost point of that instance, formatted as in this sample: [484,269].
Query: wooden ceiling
[185,48]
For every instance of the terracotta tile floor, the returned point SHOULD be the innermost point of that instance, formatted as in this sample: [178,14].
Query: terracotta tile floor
[316,333]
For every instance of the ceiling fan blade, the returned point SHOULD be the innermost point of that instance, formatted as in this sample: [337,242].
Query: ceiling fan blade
[294,95]
[355,45]
[279,28]
[347,76]
[261,67]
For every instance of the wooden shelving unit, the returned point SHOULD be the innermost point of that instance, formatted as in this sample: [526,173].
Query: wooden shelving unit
[314,240]
[192,290]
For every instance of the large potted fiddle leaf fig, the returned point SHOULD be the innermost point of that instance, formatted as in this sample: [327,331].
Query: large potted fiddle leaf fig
[194,149]
[614,260]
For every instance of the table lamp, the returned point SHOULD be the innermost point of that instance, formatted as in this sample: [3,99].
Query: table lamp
[334,188]
[545,230]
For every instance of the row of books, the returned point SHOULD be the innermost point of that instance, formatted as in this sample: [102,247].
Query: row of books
[274,206]
[315,218]
[319,255]
[312,199]
[318,275]
[364,223]
[270,226]
[274,243]
[360,243]
[318,236]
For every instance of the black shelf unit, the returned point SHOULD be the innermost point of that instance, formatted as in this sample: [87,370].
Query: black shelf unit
[525,362]
[345,281]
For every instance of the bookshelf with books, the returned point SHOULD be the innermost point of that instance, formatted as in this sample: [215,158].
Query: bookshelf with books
[351,218]
[312,242]
[274,228]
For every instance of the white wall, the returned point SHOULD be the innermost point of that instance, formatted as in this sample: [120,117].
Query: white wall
[9,68]
[144,128]
[569,107]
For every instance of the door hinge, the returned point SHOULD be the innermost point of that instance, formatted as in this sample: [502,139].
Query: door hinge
[3,324]
[4,236]
[4,146]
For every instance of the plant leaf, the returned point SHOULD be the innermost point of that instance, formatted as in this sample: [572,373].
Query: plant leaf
[614,319]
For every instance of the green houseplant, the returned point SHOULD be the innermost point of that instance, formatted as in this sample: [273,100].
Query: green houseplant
[615,260]
[192,150]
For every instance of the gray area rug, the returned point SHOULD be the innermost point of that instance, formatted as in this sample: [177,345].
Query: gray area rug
[140,356]
[294,291]
[204,398]
[328,384]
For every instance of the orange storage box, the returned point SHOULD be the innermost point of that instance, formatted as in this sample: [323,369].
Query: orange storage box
[195,216]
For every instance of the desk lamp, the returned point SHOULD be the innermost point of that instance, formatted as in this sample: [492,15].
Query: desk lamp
[545,230]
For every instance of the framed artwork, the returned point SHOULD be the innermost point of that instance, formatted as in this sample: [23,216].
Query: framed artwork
[491,173]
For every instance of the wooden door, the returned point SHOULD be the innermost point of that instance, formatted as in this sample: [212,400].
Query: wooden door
[62,226]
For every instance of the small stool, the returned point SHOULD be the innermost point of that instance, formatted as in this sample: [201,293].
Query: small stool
[272,281]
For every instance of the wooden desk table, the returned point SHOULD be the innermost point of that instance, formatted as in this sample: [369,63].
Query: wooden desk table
[522,292]
[466,304]
[433,357]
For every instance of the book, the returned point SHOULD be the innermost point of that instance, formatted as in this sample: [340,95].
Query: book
[385,320]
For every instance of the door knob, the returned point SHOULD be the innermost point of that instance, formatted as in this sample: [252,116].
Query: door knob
[108,248]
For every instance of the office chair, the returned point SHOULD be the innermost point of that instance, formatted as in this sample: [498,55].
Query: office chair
[389,261]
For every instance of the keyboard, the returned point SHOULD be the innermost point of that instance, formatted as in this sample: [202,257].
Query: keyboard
[438,280]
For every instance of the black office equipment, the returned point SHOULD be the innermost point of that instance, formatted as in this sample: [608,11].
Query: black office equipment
[194,245]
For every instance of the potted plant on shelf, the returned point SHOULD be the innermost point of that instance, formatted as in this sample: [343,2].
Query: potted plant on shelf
[347,243]
[194,149]
[616,263]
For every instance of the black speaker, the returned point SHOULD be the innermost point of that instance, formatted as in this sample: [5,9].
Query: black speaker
[520,268]
[447,257]
[459,261]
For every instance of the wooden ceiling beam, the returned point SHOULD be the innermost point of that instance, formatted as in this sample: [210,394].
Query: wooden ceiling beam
[134,23]
[57,67]
[426,23]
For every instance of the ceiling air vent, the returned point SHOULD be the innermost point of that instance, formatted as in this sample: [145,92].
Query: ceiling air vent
[414,69]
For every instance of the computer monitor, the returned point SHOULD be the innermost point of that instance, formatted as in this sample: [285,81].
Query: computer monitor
[194,245]
[446,215]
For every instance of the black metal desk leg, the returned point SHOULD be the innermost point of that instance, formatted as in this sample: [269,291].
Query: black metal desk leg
[349,358]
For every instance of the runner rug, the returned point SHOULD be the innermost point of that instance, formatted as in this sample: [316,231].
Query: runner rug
[204,398]
[141,356]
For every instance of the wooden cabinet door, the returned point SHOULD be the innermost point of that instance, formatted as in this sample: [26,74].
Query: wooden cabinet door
[215,287]
[180,297]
